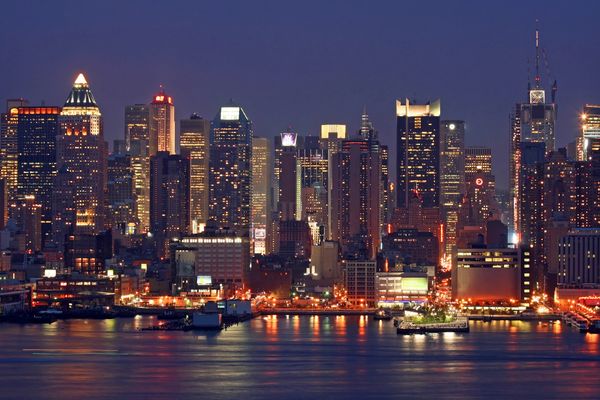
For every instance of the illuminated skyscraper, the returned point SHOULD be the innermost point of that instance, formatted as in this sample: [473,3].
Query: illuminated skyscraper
[355,194]
[229,169]
[418,152]
[590,130]
[452,177]
[137,139]
[261,193]
[533,121]
[193,144]
[121,199]
[36,145]
[9,152]
[169,198]
[332,136]
[81,154]
[288,170]
[162,124]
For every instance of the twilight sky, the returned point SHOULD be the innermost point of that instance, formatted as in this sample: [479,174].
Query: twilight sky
[304,63]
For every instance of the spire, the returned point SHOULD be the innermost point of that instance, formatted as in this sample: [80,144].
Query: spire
[80,80]
[538,79]
[366,127]
[81,96]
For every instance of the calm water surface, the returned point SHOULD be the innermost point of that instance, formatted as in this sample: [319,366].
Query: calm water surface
[296,358]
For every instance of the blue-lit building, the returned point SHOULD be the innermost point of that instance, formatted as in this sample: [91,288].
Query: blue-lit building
[229,169]
[37,128]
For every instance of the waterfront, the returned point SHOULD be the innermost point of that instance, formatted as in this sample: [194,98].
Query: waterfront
[330,357]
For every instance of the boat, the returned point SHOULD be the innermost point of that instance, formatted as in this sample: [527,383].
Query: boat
[460,325]
[382,315]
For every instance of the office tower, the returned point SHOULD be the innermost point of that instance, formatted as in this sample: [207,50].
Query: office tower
[193,144]
[590,130]
[162,124]
[478,160]
[169,198]
[452,178]
[530,210]
[261,195]
[332,136]
[531,121]
[137,138]
[407,246]
[28,213]
[9,152]
[313,173]
[288,177]
[579,259]
[386,209]
[36,147]
[418,152]
[81,154]
[584,200]
[355,198]
[295,239]
[121,200]
[229,169]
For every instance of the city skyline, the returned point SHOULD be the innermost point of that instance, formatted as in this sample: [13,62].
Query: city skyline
[281,85]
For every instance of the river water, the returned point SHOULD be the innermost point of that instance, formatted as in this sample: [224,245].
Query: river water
[307,357]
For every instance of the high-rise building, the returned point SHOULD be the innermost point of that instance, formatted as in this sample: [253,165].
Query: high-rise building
[229,169]
[9,152]
[169,198]
[359,280]
[530,210]
[452,177]
[261,193]
[193,143]
[332,136]
[289,178]
[355,198]
[590,130]
[162,124]
[579,259]
[28,213]
[121,200]
[36,147]
[418,152]
[81,154]
[137,138]
[532,121]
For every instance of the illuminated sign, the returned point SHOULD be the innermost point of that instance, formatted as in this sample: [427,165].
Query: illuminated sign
[203,280]
[288,139]
[452,127]
[479,181]
[414,284]
[230,113]
[49,273]
[260,233]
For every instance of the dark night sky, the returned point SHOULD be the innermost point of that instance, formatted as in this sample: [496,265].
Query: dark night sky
[306,63]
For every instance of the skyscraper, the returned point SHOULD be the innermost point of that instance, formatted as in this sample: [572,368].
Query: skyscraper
[452,177]
[532,121]
[9,147]
[355,194]
[418,152]
[229,169]
[194,145]
[590,130]
[162,124]
[121,197]
[169,198]
[289,178]
[261,193]
[81,154]
[36,147]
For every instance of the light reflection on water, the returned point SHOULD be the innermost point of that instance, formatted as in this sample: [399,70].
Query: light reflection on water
[296,357]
